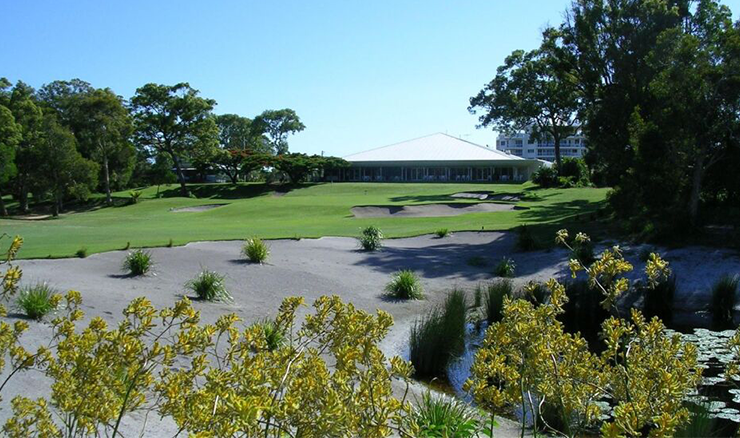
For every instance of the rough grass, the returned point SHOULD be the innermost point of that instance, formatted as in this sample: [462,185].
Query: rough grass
[442,233]
[255,250]
[405,285]
[209,286]
[138,263]
[505,268]
[308,211]
[724,298]
[439,337]
[36,301]
[493,299]
[445,417]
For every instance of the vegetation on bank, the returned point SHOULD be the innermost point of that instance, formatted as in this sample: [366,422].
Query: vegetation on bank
[311,210]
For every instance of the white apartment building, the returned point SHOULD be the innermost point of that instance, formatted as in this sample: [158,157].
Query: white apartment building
[521,145]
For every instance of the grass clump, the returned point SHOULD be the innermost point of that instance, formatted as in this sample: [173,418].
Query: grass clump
[724,298]
[442,233]
[256,250]
[525,241]
[493,300]
[439,337]
[81,253]
[444,417]
[700,424]
[210,286]
[371,238]
[38,300]
[505,268]
[273,334]
[405,285]
[658,300]
[138,262]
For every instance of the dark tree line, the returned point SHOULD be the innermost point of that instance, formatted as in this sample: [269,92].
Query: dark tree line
[655,86]
[69,139]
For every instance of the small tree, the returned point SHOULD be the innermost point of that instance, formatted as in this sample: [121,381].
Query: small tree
[297,166]
[239,138]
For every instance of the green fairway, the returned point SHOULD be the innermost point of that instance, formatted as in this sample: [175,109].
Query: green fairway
[309,211]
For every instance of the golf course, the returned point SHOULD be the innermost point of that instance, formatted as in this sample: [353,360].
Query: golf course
[159,217]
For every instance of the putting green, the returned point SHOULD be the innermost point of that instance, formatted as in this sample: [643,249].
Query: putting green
[310,210]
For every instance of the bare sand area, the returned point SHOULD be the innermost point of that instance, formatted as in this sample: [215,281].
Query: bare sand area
[196,208]
[325,266]
[428,210]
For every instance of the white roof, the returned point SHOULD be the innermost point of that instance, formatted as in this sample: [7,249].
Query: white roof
[435,147]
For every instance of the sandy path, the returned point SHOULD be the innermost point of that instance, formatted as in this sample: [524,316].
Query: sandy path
[315,267]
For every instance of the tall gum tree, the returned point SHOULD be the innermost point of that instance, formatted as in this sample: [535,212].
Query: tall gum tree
[174,120]
[529,92]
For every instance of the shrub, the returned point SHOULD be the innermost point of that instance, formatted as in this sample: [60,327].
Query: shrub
[575,171]
[583,251]
[724,298]
[505,268]
[477,261]
[138,262]
[81,253]
[494,299]
[658,300]
[536,293]
[209,286]
[525,241]
[583,313]
[371,238]
[134,196]
[439,337]
[405,285]
[38,300]
[442,416]
[442,233]
[256,250]
[170,244]
[545,177]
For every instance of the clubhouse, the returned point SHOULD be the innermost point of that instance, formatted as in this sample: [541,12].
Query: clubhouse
[436,158]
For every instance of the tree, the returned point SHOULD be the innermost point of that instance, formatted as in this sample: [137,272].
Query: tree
[28,115]
[62,169]
[10,137]
[238,140]
[62,98]
[530,91]
[278,124]
[105,132]
[296,165]
[174,120]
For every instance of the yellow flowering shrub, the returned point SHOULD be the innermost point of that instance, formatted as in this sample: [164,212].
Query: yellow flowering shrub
[528,360]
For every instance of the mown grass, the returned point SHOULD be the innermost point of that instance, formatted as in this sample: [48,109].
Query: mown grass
[311,210]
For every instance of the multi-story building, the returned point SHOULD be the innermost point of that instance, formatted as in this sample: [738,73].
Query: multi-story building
[523,145]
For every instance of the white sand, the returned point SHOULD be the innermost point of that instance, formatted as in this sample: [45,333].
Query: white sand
[197,208]
[428,210]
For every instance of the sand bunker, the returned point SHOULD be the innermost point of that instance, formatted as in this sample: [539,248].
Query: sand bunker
[428,210]
[469,195]
[510,198]
[196,208]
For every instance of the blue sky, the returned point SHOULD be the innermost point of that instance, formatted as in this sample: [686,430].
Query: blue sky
[359,74]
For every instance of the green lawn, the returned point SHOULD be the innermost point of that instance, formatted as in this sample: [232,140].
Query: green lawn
[308,211]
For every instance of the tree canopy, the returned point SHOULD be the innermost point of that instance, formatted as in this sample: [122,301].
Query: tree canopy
[278,125]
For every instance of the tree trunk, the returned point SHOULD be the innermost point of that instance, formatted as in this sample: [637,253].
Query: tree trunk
[106,175]
[696,182]
[55,211]
[558,160]
[3,209]
[180,175]
[23,194]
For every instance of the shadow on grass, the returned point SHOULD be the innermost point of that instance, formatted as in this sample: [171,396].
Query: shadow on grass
[231,191]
